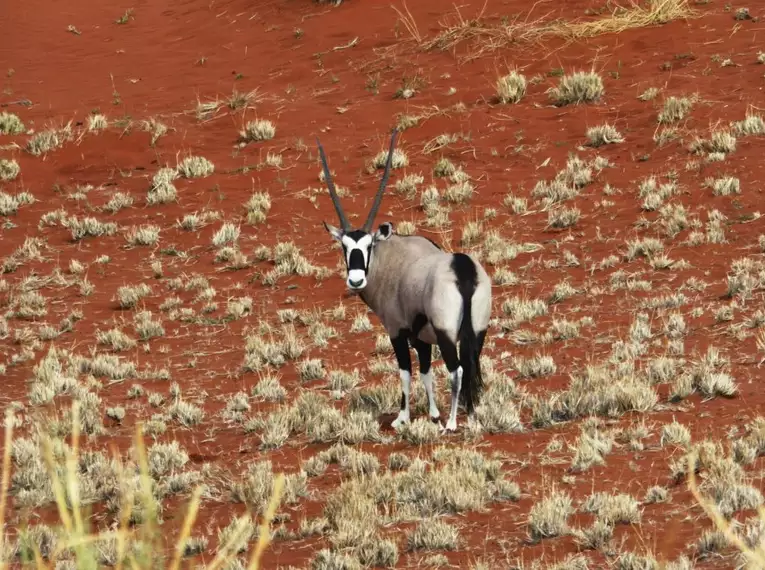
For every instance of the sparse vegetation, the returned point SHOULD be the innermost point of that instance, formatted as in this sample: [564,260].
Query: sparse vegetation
[177,340]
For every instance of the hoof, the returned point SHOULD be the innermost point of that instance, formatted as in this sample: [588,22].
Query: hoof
[399,422]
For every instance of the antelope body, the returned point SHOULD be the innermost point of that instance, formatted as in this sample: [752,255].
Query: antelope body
[423,296]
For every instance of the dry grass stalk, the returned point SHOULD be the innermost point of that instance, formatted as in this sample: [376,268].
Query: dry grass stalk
[494,37]
[85,546]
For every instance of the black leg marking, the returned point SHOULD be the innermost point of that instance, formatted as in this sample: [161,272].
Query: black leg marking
[424,354]
[448,351]
[404,358]
[418,324]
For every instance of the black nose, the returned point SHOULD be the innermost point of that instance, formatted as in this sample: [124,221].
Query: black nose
[355,283]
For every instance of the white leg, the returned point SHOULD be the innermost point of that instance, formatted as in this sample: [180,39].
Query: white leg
[403,414]
[427,382]
[451,425]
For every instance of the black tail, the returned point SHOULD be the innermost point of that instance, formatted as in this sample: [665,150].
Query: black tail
[471,343]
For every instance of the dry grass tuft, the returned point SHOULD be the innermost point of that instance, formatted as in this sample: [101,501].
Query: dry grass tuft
[578,87]
[511,88]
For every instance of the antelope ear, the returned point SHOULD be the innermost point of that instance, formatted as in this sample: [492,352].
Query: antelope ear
[336,233]
[384,231]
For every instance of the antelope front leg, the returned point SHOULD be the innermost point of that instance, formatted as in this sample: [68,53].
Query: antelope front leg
[424,355]
[401,349]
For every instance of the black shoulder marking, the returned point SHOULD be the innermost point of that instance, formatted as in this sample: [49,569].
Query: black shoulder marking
[420,320]
[465,271]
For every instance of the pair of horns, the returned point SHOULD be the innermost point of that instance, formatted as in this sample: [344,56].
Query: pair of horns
[378,197]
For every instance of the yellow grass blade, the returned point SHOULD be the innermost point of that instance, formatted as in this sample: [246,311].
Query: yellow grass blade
[225,552]
[71,469]
[188,522]
[754,556]
[264,536]
[58,491]
[9,417]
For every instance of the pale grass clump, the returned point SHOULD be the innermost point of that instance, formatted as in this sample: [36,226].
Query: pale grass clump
[48,140]
[399,160]
[195,221]
[717,146]
[645,247]
[471,233]
[535,367]
[143,235]
[162,190]
[258,207]
[675,109]
[613,508]
[146,328]
[269,389]
[578,87]
[361,323]
[274,352]
[567,182]
[421,431]
[518,204]
[406,228]
[115,339]
[258,130]
[596,390]
[97,122]
[649,94]
[749,126]
[10,124]
[561,218]
[195,167]
[227,234]
[675,433]
[443,168]
[288,260]
[461,189]
[9,170]
[503,277]
[88,227]
[654,194]
[511,88]
[311,369]
[10,203]
[118,201]
[724,186]
[157,129]
[128,296]
[604,134]
[590,449]
[433,534]
[408,185]
[548,517]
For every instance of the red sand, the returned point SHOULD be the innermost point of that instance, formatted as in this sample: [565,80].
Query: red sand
[170,54]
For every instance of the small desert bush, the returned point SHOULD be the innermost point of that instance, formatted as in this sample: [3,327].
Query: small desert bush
[578,87]
[675,109]
[143,235]
[195,167]
[258,130]
[9,170]
[399,159]
[10,124]
[511,88]
[603,134]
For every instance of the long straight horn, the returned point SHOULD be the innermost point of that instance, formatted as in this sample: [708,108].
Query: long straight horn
[383,183]
[331,187]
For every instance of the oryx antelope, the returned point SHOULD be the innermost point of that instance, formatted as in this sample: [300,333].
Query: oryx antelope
[422,295]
